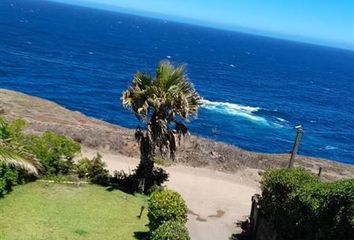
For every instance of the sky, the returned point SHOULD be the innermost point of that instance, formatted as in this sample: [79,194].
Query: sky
[324,22]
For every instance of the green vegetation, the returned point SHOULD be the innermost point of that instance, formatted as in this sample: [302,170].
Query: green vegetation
[162,104]
[17,164]
[94,170]
[8,178]
[25,157]
[60,211]
[167,216]
[171,230]
[11,150]
[302,207]
[45,210]
[55,152]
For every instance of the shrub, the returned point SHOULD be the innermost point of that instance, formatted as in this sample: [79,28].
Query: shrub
[24,177]
[336,212]
[302,207]
[82,167]
[12,131]
[166,205]
[170,230]
[154,176]
[55,152]
[96,171]
[8,178]
[160,176]
[131,182]
[277,185]
[126,182]
[156,188]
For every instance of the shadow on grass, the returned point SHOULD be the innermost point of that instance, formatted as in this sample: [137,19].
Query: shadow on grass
[123,182]
[141,235]
[114,187]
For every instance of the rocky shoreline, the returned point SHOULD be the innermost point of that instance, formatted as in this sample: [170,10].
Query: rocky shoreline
[42,115]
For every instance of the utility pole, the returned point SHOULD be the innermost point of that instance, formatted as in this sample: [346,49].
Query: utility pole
[299,132]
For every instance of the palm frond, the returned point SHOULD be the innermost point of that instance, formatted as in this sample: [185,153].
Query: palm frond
[160,101]
[138,95]
[16,156]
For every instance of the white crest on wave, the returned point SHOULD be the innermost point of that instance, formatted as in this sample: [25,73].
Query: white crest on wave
[234,109]
[329,147]
[281,119]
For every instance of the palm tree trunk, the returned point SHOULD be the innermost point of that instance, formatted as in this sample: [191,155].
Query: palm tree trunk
[145,169]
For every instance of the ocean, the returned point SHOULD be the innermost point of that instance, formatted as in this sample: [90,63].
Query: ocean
[255,89]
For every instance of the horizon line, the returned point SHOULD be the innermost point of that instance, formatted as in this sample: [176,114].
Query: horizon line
[217,26]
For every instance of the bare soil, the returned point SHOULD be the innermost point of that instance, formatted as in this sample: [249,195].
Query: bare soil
[216,200]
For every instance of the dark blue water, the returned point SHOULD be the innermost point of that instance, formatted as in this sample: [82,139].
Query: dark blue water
[256,89]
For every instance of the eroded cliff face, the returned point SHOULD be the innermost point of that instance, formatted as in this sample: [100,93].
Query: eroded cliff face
[42,115]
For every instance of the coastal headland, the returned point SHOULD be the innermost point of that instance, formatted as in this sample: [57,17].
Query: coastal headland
[42,115]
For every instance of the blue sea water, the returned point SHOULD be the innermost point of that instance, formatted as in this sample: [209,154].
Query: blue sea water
[255,89]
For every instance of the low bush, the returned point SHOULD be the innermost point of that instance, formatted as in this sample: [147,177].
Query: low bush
[170,230]
[11,176]
[94,170]
[55,152]
[126,182]
[131,182]
[82,167]
[24,177]
[166,205]
[11,133]
[302,207]
[153,176]
[8,178]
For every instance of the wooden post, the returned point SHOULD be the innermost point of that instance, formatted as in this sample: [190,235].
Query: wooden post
[296,145]
[254,215]
[254,203]
[319,172]
[141,211]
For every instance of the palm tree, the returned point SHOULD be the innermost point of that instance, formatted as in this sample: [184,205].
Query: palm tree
[13,155]
[162,104]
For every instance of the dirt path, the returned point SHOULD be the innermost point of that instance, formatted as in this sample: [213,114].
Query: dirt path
[216,200]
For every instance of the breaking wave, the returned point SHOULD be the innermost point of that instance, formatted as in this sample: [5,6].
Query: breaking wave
[234,109]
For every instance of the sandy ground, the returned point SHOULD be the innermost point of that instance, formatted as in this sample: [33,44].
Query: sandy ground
[216,200]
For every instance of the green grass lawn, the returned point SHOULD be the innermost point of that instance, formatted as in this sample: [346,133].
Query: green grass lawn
[60,211]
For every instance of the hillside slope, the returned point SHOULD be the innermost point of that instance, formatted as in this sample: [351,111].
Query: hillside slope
[42,115]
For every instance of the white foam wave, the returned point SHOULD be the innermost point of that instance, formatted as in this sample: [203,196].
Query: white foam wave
[281,119]
[329,147]
[234,109]
[277,125]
